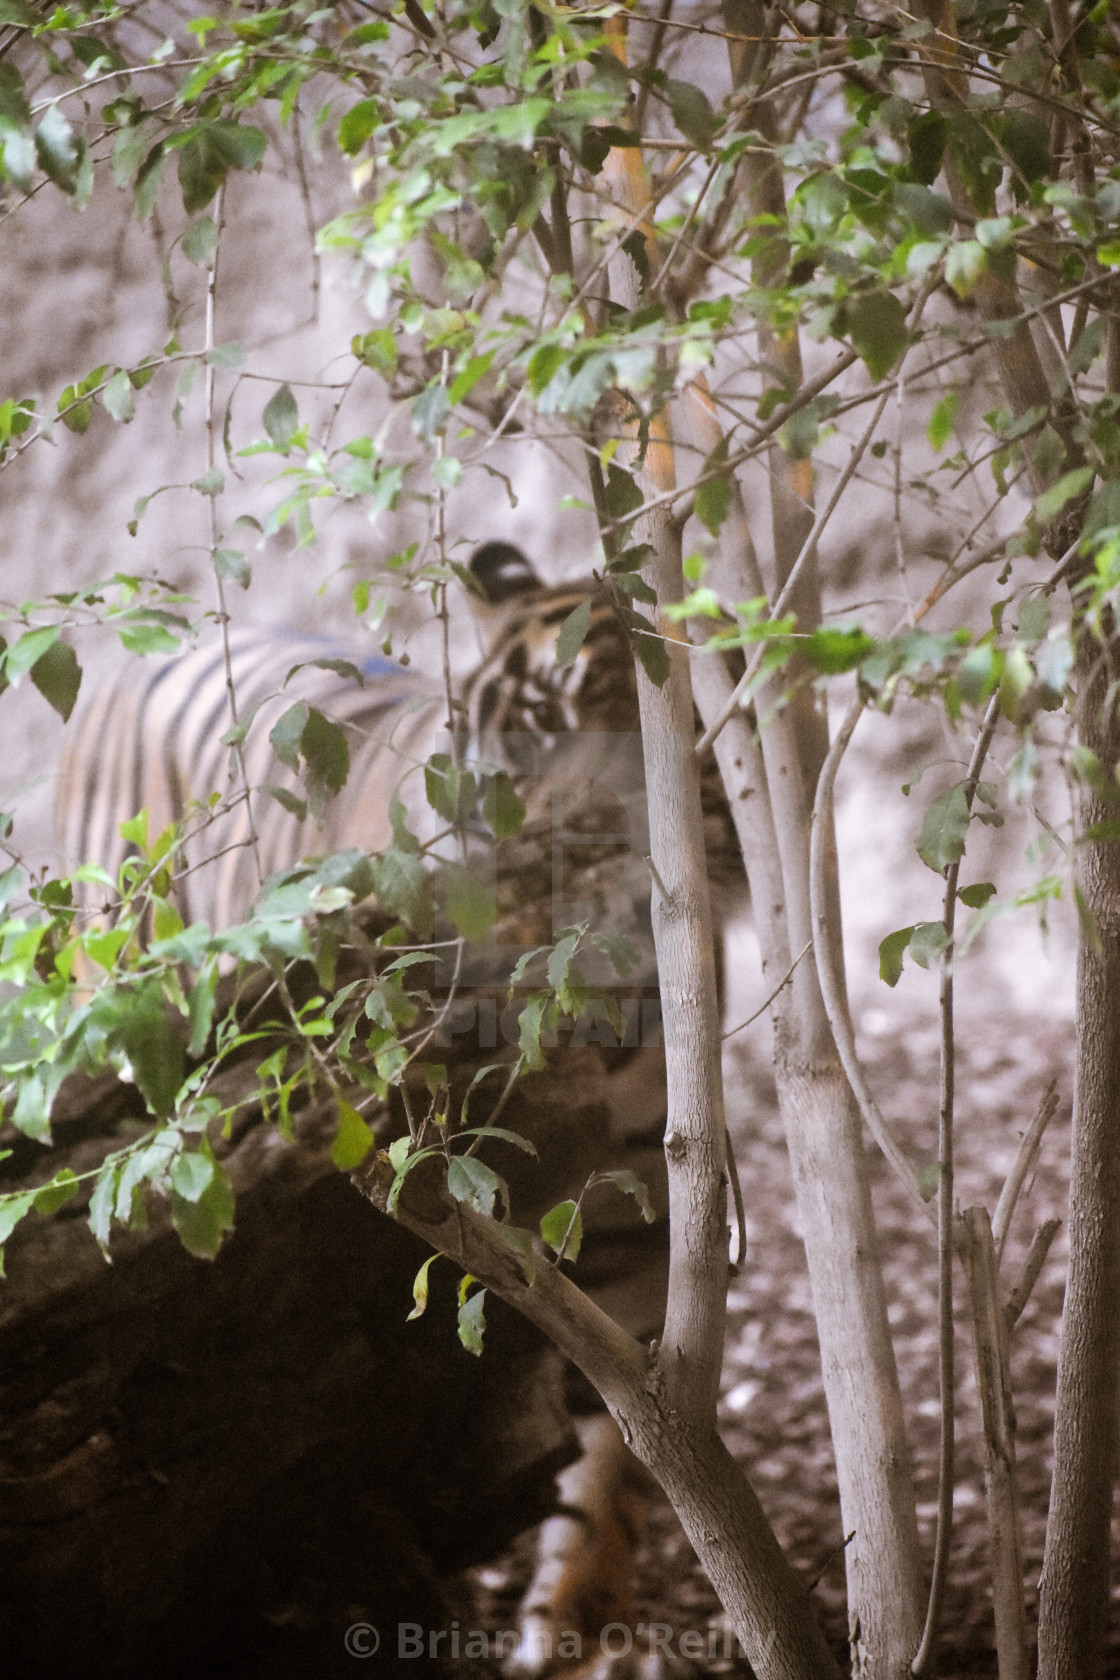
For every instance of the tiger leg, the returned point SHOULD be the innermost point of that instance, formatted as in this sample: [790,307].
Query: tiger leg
[582,1583]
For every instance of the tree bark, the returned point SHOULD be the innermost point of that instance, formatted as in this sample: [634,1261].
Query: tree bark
[1074,1598]
[883,1561]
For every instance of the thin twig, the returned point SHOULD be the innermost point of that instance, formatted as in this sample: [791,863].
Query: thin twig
[1024,1160]
[219,584]
[784,981]
[945,1360]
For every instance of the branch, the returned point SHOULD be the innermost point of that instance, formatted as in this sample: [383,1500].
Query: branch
[1024,1160]
[1032,1266]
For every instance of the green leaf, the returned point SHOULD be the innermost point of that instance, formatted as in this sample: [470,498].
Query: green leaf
[357,125]
[30,648]
[58,149]
[103,1201]
[928,942]
[692,112]
[378,349]
[202,1224]
[835,651]
[148,181]
[965,263]
[651,650]
[326,752]
[927,1180]
[291,802]
[13,1209]
[227,358]
[876,323]
[530,1024]
[231,564]
[471,1181]
[926,136]
[630,1185]
[940,428]
[942,839]
[286,735]
[420,1288]
[564,1221]
[281,417]
[63,1187]
[148,638]
[354,1139]
[430,411]
[449,790]
[634,585]
[573,633]
[472,1322]
[191,1174]
[713,500]
[619,951]
[58,677]
[560,959]
[200,241]
[211,150]
[470,903]
[200,1007]
[622,494]
[212,482]
[892,949]
[404,888]
[31,1114]
[465,381]
[117,397]
[447,471]
[976,896]
[503,810]
[1026,139]
[1069,486]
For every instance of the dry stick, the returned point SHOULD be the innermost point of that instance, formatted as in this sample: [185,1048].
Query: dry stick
[1032,1265]
[765,1004]
[1024,1160]
[946,1444]
[993,1377]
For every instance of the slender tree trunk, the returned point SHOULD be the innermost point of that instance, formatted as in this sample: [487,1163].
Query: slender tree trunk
[1073,1611]
[826,1145]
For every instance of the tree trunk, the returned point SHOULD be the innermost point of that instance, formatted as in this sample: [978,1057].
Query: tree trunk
[826,1146]
[1073,1612]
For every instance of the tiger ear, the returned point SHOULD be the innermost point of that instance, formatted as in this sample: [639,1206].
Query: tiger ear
[502,571]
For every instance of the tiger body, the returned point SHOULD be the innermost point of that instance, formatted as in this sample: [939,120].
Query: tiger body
[152,740]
